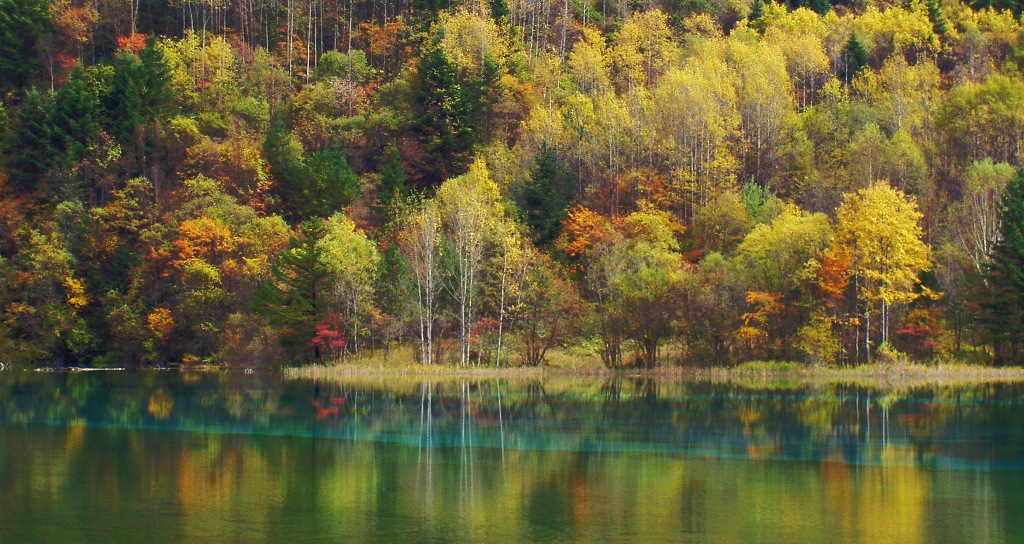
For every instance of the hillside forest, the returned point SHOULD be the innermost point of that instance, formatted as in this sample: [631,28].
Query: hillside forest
[489,182]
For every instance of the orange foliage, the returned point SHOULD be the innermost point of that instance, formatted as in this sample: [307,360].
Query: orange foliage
[133,43]
[204,239]
[765,306]
[73,24]
[638,186]
[160,322]
[381,39]
[835,275]
[583,229]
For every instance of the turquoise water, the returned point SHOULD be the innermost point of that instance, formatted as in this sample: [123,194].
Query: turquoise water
[228,457]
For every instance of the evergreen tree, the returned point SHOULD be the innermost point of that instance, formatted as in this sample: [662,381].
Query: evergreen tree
[855,57]
[392,189]
[545,197]
[939,23]
[1005,277]
[500,10]
[333,183]
[155,80]
[820,6]
[295,298]
[29,151]
[444,113]
[756,11]
[287,167]
[23,23]
[125,100]
[75,117]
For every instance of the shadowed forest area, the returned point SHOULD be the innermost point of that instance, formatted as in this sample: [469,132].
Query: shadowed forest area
[488,182]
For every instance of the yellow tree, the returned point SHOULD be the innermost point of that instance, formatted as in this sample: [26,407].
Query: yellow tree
[419,240]
[879,234]
[765,100]
[352,262]
[470,208]
[588,63]
[799,35]
[696,118]
[643,49]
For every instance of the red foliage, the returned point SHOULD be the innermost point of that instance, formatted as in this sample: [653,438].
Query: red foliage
[133,43]
[330,408]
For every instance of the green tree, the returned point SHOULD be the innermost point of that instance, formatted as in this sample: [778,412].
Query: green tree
[296,296]
[855,58]
[352,261]
[544,198]
[29,151]
[23,25]
[1005,273]
[445,113]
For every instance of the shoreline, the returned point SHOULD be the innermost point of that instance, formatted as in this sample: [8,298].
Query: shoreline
[753,374]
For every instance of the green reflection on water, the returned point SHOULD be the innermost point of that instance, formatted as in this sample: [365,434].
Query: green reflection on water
[116,457]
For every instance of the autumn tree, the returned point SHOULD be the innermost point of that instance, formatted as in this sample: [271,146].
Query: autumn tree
[419,239]
[879,233]
[352,262]
[547,308]
[470,208]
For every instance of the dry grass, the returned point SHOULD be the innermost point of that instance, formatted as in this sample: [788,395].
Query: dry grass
[585,367]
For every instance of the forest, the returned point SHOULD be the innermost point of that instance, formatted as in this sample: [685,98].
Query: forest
[675,182]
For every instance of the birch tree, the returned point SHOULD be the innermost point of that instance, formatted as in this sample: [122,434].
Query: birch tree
[419,241]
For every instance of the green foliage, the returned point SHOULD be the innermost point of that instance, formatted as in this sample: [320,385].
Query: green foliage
[445,113]
[544,197]
[721,225]
[392,189]
[295,296]
[351,66]
[1005,276]
[23,26]
[684,144]
[29,150]
[855,58]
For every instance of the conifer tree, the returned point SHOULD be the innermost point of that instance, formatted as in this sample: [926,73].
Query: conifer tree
[29,152]
[1005,275]
[23,23]
[295,298]
[855,57]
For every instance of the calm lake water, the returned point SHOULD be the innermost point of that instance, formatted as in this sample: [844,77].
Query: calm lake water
[226,457]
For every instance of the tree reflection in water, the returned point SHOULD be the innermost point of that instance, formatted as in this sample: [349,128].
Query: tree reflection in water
[477,460]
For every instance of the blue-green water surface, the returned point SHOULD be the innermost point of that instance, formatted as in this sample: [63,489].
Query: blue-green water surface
[171,456]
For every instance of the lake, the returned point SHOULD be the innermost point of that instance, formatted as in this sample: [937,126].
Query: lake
[174,456]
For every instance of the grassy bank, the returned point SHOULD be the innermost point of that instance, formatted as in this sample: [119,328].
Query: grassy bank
[753,374]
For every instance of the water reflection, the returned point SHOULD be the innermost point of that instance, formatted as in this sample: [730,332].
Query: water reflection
[626,459]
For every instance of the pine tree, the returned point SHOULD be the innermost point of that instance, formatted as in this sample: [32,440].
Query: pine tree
[287,167]
[545,198]
[820,6]
[29,150]
[939,23]
[333,183]
[23,23]
[295,298]
[855,57]
[445,113]
[756,11]
[1005,277]
[392,189]
[75,116]
[155,78]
